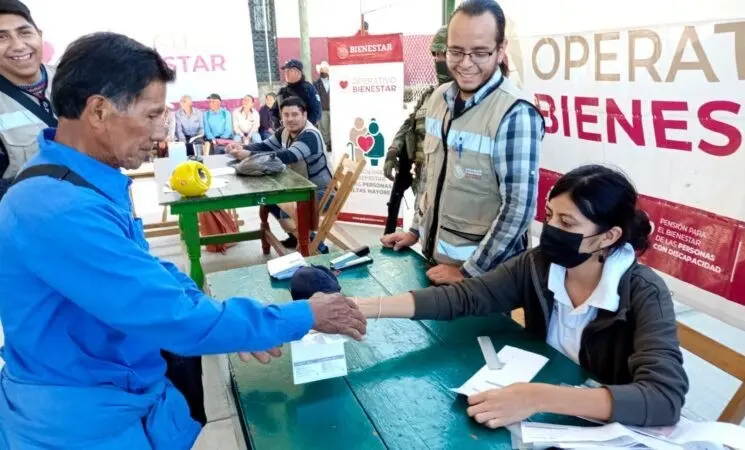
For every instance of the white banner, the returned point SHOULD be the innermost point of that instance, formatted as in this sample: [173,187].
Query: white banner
[367,111]
[209,44]
[657,89]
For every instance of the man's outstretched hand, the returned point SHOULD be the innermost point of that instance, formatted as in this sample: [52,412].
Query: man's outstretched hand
[336,314]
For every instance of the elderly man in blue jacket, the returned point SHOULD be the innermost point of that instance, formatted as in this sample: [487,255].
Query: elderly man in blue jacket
[85,307]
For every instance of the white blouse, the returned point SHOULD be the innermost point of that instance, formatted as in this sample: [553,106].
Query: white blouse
[567,322]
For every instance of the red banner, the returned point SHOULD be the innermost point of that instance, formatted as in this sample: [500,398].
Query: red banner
[371,49]
[695,246]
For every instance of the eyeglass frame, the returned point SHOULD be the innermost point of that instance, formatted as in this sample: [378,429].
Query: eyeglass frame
[448,55]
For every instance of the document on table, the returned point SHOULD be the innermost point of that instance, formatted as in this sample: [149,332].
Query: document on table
[318,356]
[687,434]
[220,171]
[520,366]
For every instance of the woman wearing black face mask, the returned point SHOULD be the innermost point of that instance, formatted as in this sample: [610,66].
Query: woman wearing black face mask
[585,294]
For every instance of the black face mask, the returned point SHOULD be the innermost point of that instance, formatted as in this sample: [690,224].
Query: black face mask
[442,71]
[562,247]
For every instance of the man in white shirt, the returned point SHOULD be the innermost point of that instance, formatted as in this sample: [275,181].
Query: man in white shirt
[246,122]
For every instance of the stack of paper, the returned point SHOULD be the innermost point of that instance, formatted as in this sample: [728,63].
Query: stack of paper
[518,366]
[285,267]
[685,435]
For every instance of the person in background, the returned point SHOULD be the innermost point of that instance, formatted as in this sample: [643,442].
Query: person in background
[85,306]
[28,79]
[246,122]
[189,123]
[297,86]
[479,187]
[585,294]
[299,145]
[217,123]
[267,122]
[323,88]
[169,123]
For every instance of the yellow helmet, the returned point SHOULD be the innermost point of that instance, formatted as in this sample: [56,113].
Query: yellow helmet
[191,179]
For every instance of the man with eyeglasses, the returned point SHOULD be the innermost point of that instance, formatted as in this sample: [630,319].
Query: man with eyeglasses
[479,185]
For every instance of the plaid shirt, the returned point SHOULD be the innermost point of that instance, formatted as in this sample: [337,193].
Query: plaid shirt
[515,156]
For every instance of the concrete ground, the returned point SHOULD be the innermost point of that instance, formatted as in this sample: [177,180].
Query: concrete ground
[710,391]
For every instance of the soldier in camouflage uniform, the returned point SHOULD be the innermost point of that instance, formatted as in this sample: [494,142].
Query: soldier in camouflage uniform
[410,136]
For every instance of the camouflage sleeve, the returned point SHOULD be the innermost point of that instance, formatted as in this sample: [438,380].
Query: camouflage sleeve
[422,181]
[399,140]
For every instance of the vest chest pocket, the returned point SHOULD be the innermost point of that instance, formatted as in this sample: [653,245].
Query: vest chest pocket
[470,199]
[19,135]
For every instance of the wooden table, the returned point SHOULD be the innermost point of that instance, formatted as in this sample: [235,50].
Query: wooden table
[397,394]
[240,192]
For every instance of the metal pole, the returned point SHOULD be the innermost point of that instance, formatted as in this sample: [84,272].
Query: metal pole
[304,37]
[266,43]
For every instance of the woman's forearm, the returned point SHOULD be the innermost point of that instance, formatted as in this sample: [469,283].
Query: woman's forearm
[592,403]
[397,307]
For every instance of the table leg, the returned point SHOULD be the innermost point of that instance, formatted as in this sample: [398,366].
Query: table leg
[189,224]
[264,216]
[305,223]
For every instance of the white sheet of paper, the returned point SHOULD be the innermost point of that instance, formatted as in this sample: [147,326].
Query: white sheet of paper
[686,434]
[613,434]
[689,432]
[318,356]
[217,183]
[520,366]
[221,171]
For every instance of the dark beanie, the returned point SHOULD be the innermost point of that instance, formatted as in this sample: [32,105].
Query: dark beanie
[18,8]
[309,280]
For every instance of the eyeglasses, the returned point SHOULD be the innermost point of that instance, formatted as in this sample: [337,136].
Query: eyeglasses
[478,57]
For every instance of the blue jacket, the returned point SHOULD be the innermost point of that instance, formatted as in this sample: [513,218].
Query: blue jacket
[307,92]
[218,125]
[86,310]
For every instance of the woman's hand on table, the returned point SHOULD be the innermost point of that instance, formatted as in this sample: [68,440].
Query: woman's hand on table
[262,357]
[505,406]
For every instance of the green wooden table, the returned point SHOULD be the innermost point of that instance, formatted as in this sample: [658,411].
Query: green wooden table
[240,192]
[397,394]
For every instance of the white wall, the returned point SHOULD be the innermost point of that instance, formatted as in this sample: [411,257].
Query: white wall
[342,17]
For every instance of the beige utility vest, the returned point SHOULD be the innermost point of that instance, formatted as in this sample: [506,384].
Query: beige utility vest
[469,199]
[19,129]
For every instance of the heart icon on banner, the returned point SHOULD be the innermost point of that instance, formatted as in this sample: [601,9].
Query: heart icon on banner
[365,142]
[344,84]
